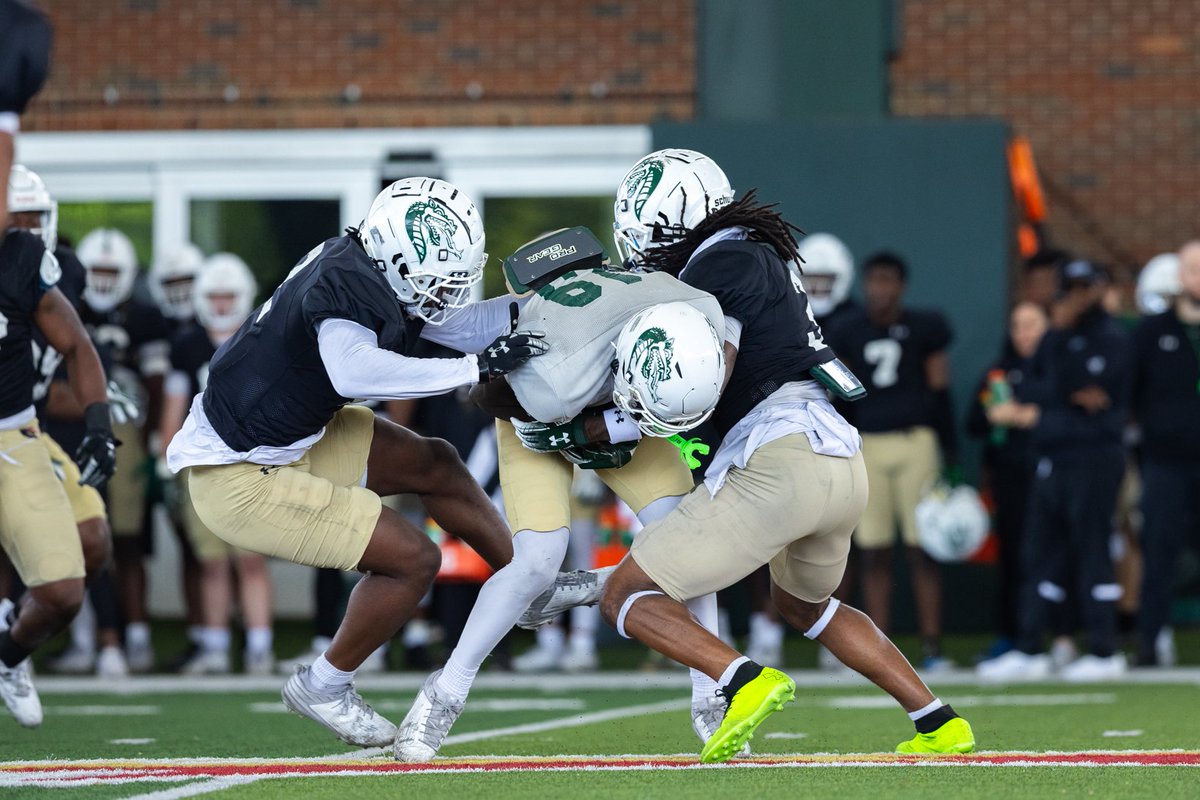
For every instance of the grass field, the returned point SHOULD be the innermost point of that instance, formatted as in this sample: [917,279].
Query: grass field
[611,735]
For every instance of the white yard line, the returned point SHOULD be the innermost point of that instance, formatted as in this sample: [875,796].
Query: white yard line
[198,788]
[102,711]
[504,704]
[574,721]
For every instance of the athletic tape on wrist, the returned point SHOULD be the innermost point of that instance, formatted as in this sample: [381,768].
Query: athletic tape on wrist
[625,610]
[819,626]
[620,427]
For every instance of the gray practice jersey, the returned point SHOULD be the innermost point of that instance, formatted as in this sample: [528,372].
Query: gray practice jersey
[581,314]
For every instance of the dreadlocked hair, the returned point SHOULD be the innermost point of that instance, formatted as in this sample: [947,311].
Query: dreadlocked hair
[764,222]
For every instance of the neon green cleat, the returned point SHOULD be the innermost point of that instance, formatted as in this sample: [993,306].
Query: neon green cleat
[752,704]
[955,736]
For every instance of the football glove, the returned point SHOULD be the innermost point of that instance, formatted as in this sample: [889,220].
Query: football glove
[545,437]
[601,455]
[97,453]
[507,352]
[123,405]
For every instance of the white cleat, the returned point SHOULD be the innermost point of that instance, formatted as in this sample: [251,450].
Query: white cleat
[16,687]
[1090,669]
[581,587]
[428,723]
[72,661]
[1015,666]
[1062,653]
[207,662]
[258,663]
[539,659]
[579,660]
[707,716]
[110,663]
[342,711]
[140,658]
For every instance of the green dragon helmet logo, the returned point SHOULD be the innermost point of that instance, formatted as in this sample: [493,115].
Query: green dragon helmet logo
[429,225]
[642,182]
[655,353]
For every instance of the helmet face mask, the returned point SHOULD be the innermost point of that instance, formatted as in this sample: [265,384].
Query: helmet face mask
[223,293]
[426,237]
[27,194]
[663,197]
[171,279]
[1158,284]
[111,263]
[669,369]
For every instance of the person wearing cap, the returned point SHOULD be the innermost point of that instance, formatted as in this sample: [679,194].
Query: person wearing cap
[1076,400]
[1166,404]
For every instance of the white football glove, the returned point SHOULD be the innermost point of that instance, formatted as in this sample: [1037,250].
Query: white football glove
[122,405]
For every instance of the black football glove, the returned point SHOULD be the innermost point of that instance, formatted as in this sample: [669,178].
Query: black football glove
[97,454]
[601,455]
[508,352]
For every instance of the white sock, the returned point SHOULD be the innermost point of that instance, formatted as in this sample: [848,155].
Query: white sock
[704,609]
[214,640]
[456,679]
[583,640]
[727,675]
[926,711]
[259,640]
[504,597]
[551,638]
[137,634]
[83,628]
[325,677]
[417,633]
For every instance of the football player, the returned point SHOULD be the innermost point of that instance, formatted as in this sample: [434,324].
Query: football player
[224,297]
[665,334]
[37,528]
[62,420]
[787,485]
[281,465]
[827,273]
[171,278]
[136,335]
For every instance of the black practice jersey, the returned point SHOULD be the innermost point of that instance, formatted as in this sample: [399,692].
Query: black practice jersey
[24,54]
[890,362]
[1166,387]
[27,272]
[48,361]
[267,385]
[191,352]
[135,333]
[780,341]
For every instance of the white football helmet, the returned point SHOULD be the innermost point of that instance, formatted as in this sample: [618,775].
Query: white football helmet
[951,523]
[223,293]
[670,367]
[1158,284]
[664,196]
[112,267]
[828,271]
[171,279]
[426,236]
[27,193]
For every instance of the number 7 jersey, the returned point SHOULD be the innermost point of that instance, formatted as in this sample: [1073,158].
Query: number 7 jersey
[581,314]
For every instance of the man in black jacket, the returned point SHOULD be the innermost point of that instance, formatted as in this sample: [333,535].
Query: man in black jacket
[1079,383]
[1166,403]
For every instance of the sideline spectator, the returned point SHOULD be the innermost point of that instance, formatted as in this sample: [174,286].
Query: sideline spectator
[1166,402]
[899,354]
[1078,389]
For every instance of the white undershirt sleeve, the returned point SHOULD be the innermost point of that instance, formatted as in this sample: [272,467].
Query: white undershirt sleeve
[10,122]
[733,332]
[359,369]
[474,327]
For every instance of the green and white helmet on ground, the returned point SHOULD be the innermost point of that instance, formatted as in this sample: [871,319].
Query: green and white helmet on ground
[670,367]
[664,196]
[426,237]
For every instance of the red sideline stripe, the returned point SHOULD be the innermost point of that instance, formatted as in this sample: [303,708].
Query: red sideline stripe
[130,770]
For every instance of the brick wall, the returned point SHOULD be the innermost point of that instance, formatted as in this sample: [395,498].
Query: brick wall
[1108,91]
[170,64]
